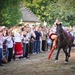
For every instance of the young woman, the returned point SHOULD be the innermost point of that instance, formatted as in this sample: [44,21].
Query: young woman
[9,44]
[54,37]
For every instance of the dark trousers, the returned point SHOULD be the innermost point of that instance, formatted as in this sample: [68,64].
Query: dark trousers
[44,45]
[27,50]
[10,54]
[31,47]
[0,55]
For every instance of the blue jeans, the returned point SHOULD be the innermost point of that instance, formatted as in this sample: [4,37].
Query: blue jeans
[36,46]
[0,55]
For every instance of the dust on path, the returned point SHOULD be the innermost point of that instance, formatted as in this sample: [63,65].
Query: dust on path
[38,64]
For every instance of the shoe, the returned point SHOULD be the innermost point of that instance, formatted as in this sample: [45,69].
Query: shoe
[34,53]
[24,58]
[1,64]
[27,57]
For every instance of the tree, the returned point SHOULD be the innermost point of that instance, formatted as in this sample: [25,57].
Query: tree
[38,7]
[9,12]
[49,10]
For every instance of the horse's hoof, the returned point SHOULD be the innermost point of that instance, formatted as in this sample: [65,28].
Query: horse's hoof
[56,61]
[68,55]
[65,62]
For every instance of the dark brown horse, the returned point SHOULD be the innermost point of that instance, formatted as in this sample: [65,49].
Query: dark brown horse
[64,42]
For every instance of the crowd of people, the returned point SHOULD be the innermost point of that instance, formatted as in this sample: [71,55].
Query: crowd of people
[19,42]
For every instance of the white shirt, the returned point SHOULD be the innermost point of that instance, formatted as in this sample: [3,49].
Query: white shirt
[32,32]
[9,42]
[54,29]
[17,37]
[26,39]
[41,36]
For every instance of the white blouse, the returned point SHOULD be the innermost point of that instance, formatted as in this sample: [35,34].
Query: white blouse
[9,42]
[17,37]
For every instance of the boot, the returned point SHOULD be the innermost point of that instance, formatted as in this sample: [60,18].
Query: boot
[51,51]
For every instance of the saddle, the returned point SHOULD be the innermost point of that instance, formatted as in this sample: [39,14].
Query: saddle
[68,35]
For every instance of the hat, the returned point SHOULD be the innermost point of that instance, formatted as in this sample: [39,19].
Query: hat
[3,27]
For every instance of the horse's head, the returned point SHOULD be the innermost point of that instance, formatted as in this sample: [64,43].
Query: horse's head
[59,29]
[59,26]
[60,34]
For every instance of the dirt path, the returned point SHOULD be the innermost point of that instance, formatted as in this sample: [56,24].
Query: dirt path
[38,64]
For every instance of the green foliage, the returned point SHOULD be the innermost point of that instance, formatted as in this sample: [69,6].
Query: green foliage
[49,10]
[10,12]
[46,10]
[38,7]
[62,9]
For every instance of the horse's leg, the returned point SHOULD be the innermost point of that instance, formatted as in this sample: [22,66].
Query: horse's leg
[66,54]
[69,51]
[56,58]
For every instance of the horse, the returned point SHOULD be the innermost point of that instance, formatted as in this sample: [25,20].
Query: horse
[64,42]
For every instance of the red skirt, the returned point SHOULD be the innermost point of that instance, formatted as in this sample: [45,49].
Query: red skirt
[18,49]
[51,35]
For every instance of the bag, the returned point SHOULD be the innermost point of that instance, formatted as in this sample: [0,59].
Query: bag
[4,60]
